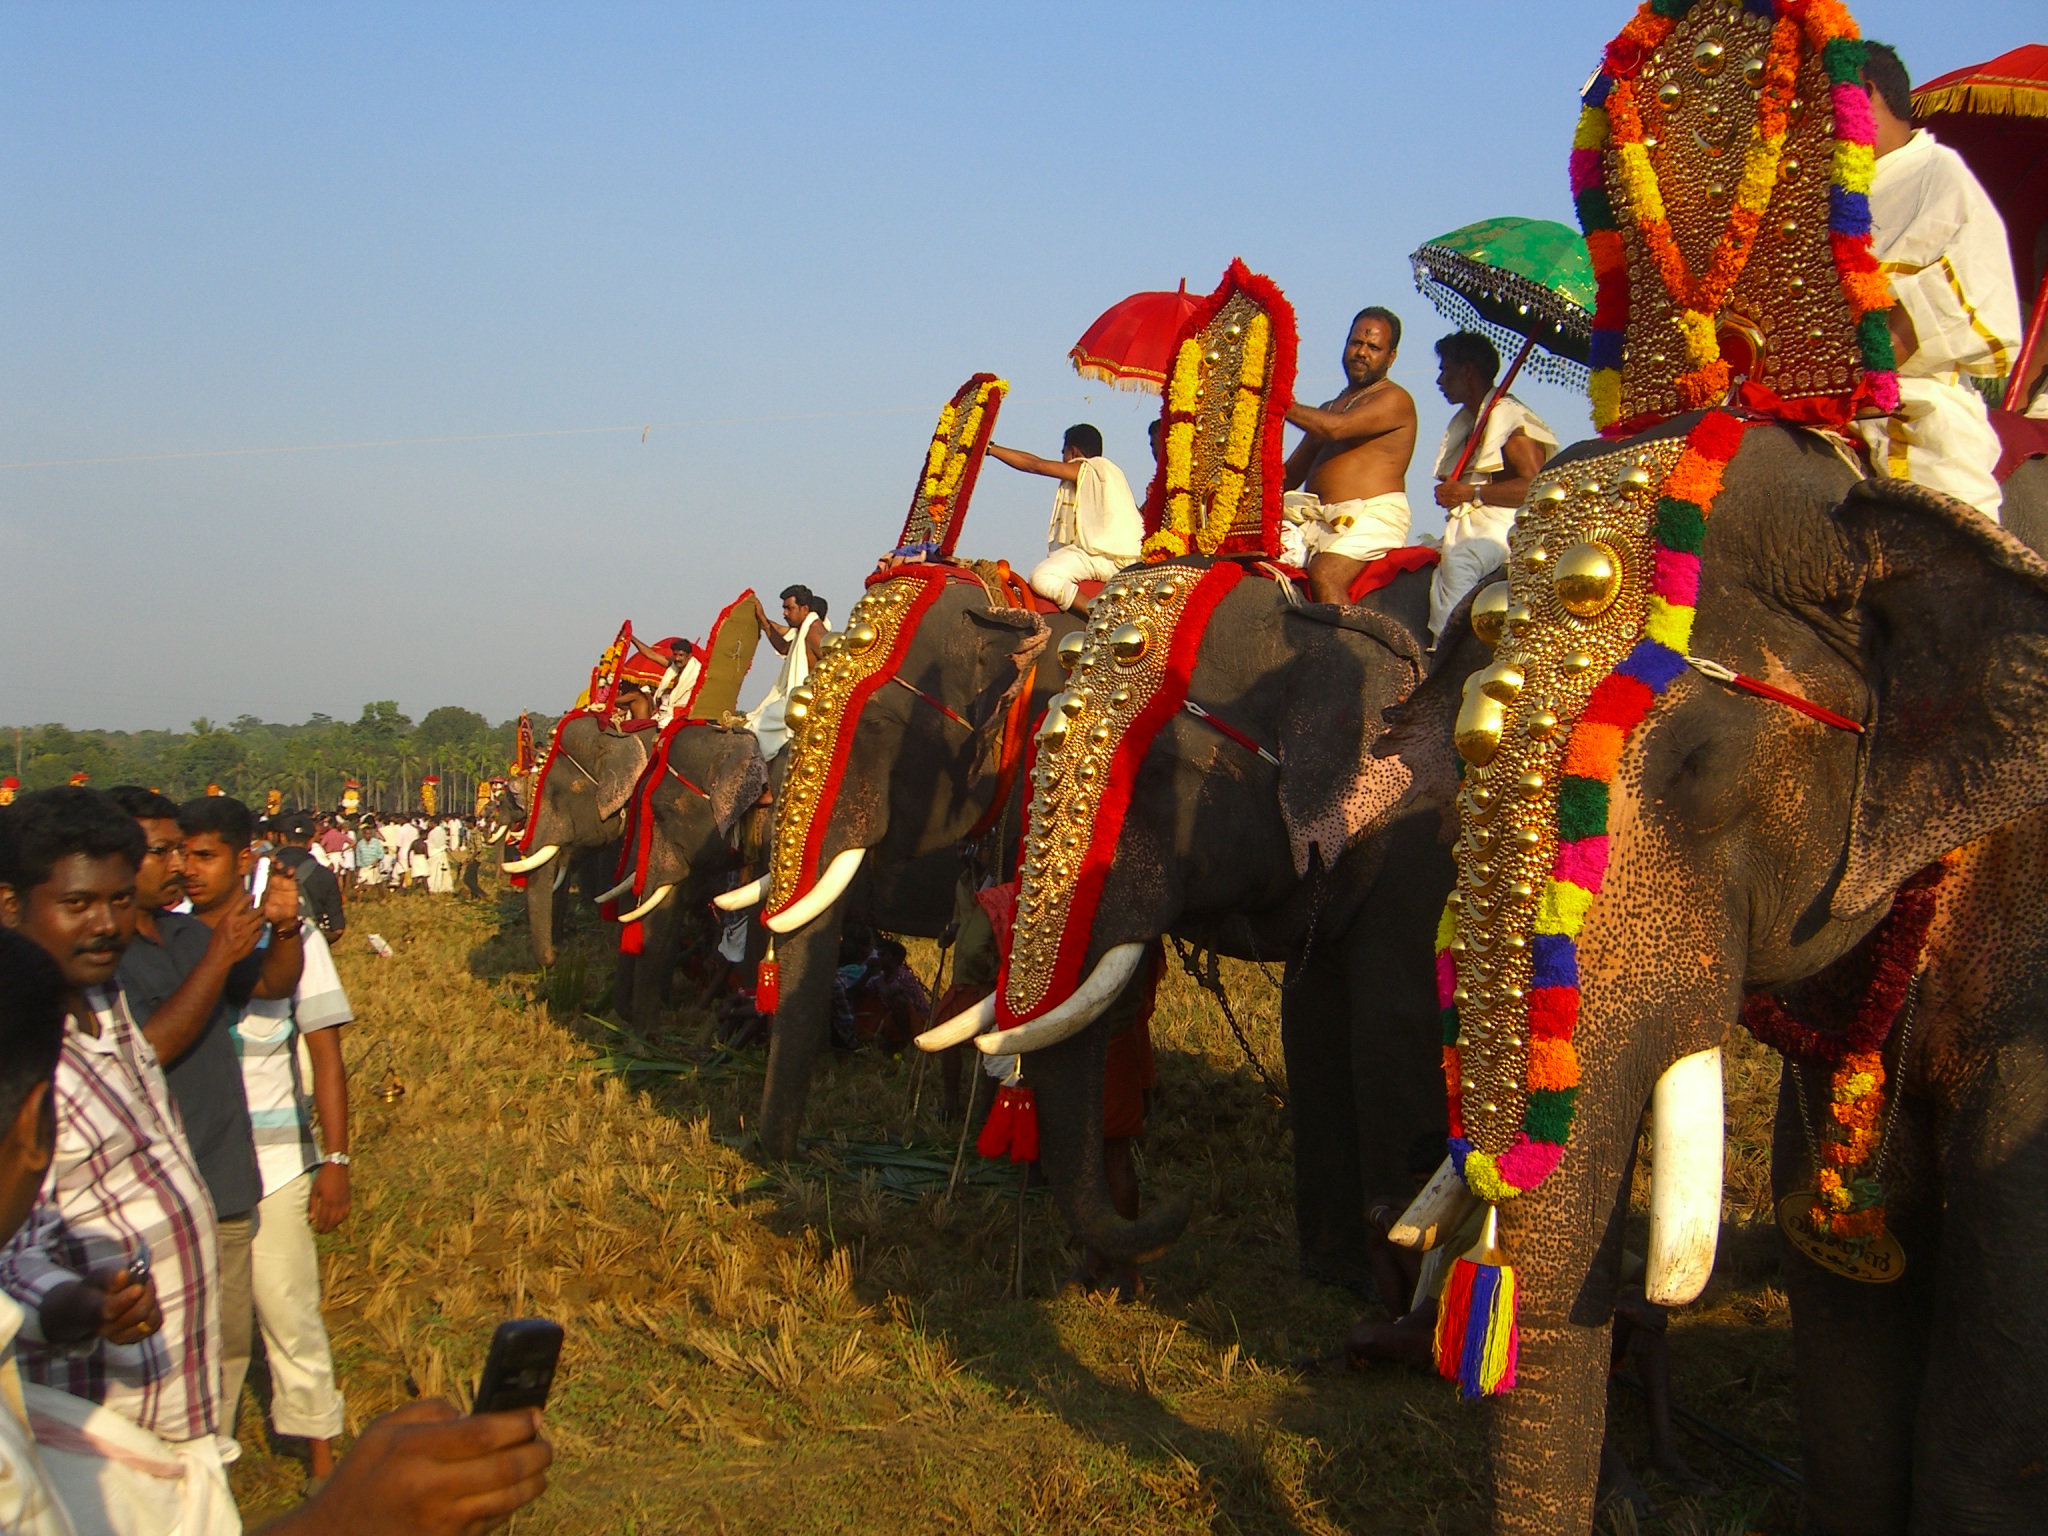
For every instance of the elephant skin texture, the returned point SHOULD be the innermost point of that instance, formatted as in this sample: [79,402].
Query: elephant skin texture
[1752,846]
[580,799]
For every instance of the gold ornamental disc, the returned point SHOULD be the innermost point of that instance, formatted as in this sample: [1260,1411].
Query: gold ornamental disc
[1873,1260]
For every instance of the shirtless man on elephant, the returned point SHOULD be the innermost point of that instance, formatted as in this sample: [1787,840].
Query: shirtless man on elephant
[1347,478]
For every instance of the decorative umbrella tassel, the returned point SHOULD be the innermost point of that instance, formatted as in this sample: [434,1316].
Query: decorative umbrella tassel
[1476,1337]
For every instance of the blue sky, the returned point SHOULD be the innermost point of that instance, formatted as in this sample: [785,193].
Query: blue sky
[233,228]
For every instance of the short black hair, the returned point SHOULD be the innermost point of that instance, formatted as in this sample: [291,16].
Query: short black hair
[1084,437]
[31,1019]
[1885,73]
[222,815]
[1382,313]
[1469,349]
[819,607]
[144,804]
[804,596]
[296,828]
[47,826]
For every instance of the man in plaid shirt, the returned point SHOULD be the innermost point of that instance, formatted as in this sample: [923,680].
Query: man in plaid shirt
[124,1187]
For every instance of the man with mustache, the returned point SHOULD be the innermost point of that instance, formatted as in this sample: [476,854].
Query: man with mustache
[123,1184]
[1347,480]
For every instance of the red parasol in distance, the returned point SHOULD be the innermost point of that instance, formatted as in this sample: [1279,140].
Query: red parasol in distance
[1995,115]
[1131,345]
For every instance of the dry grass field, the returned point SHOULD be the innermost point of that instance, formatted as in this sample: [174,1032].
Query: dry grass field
[832,1347]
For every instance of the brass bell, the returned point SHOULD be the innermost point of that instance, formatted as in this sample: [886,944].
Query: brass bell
[1588,578]
[1071,649]
[1481,719]
[1128,643]
[1501,681]
[799,705]
[1490,612]
[861,635]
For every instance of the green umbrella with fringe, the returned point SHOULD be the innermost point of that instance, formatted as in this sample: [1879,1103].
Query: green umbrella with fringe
[1525,284]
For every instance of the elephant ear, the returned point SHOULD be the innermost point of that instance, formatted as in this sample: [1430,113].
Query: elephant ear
[1954,626]
[619,767]
[1420,728]
[742,775]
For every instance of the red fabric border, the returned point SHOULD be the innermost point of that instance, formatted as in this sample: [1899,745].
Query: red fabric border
[1395,562]
[934,578]
[1215,584]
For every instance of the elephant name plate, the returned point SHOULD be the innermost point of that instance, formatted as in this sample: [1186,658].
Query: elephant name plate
[1873,1260]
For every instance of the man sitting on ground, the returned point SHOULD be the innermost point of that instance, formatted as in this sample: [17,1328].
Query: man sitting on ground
[1096,527]
[1940,242]
[1479,504]
[1347,480]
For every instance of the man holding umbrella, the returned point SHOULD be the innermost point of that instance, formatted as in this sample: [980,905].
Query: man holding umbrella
[1479,485]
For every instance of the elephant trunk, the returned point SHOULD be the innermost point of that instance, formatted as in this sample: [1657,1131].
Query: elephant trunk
[808,961]
[657,964]
[1066,1083]
[542,910]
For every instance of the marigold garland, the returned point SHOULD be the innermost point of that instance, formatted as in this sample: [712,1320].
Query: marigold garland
[952,462]
[1611,120]
[1851,1202]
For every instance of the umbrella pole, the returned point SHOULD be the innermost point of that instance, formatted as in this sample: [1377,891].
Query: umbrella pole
[1486,411]
[2016,387]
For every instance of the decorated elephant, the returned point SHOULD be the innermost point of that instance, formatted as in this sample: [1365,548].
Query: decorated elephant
[676,852]
[909,742]
[1868,691]
[1209,773]
[577,806]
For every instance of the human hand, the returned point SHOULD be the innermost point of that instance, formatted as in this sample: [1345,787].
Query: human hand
[116,1308]
[426,1470]
[327,1207]
[280,896]
[235,935]
[1452,494]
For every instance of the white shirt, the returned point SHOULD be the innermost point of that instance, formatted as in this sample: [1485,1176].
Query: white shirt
[1941,243]
[1096,514]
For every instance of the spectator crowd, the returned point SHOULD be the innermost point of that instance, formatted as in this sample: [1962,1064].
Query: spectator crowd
[174,1131]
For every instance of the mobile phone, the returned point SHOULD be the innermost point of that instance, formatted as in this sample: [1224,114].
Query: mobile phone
[520,1367]
[259,881]
[138,1263]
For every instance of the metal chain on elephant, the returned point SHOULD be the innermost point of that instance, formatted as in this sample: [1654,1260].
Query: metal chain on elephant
[1907,1014]
[1211,981]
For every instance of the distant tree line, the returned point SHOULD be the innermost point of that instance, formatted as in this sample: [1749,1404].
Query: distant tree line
[382,750]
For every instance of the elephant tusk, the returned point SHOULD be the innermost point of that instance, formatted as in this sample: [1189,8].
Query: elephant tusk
[618,890]
[561,876]
[741,897]
[1076,1013]
[961,1027]
[830,887]
[1436,1213]
[1685,1178]
[497,835]
[661,894]
[533,860]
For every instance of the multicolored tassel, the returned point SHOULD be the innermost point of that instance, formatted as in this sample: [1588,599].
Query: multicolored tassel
[767,983]
[1476,1336]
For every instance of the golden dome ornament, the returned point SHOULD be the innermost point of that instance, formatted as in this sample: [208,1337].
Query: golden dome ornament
[1588,578]
[1128,643]
[1490,612]
[1070,650]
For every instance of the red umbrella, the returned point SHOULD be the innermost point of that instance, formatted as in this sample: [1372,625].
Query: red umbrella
[1131,345]
[1995,115]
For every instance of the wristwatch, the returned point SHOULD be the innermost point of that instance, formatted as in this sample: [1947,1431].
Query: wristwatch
[339,1159]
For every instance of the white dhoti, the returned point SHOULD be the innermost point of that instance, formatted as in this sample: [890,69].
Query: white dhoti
[768,720]
[1058,577]
[1361,529]
[118,1479]
[1475,542]
[1940,437]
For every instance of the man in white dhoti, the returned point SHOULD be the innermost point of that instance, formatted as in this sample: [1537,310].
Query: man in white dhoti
[799,642]
[1347,480]
[1941,243]
[1096,527]
[1480,498]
